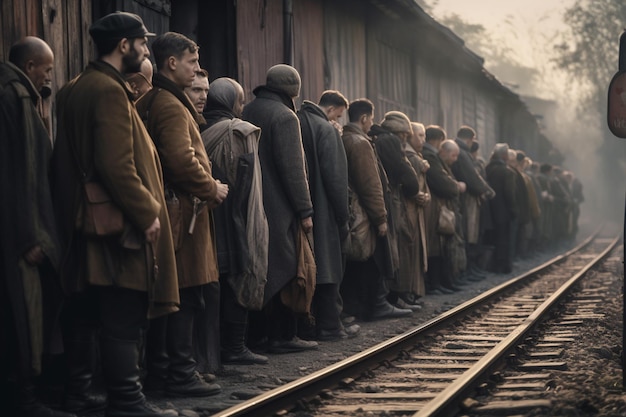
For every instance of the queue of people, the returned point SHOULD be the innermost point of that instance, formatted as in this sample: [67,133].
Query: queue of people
[167,228]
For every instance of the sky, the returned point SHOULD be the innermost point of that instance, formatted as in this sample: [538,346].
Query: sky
[528,26]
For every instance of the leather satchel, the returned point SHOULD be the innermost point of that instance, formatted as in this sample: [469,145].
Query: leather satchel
[297,295]
[99,215]
[361,241]
[446,222]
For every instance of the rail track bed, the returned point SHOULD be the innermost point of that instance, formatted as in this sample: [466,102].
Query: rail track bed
[443,365]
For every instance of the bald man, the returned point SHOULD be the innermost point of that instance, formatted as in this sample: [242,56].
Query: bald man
[28,252]
[141,82]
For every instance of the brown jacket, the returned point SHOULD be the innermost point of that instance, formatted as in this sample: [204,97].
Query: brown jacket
[173,124]
[97,118]
[363,174]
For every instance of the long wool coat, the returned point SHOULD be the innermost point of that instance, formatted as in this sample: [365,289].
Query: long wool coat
[97,117]
[443,190]
[285,187]
[328,181]
[173,124]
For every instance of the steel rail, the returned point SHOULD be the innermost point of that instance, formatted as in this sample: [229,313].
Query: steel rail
[290,393]
[444,403]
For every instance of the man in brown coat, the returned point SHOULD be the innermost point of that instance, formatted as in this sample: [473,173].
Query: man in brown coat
[363,288]
[101,138]
[192,192]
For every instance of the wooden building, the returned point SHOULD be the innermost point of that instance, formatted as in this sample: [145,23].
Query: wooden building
[390,51]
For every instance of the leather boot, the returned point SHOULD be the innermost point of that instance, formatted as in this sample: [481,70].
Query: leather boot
[121,372]
[156,358]
[382,309]
[183,380]
[234,326]
[80,349]
[29,405]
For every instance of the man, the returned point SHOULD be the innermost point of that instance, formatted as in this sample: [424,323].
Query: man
[444,190]
[285,195]
[101,138]
[364,282]
[29,250]
[241,230]
[389,139]
[334,104]
[328,184]
[478,191]
[504,208]
[199,90]
[141,81]
[173,124]
[419,256]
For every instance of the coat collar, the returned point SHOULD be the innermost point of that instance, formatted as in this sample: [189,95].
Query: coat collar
[112,72]
[160,81]
[264,92]
[310,107]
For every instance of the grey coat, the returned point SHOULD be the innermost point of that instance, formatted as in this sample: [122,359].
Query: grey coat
[328,180]
[285,188]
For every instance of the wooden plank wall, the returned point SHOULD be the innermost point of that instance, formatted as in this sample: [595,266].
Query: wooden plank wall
[428,102]
[345,49]
[259,41]
[19,18]
[309,47]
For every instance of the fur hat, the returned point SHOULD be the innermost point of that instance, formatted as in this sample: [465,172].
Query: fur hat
[396,122]
[285,79]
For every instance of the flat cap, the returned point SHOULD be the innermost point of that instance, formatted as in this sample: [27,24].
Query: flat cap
[396,122]
[118,25]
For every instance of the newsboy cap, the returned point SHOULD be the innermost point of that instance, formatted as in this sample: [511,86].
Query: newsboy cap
[118,25]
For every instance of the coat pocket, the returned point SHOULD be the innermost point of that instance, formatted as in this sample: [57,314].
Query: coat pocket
[176,217]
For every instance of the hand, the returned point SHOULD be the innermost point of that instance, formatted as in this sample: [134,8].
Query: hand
[152,232]
[425,166]
[337,126]
[422,198]
[222,191]
[462,186]
[382,229]
[34,255]
[307,224]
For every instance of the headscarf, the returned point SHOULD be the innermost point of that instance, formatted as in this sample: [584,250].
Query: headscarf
[221,100]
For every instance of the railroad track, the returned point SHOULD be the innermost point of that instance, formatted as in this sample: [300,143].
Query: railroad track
[429,370]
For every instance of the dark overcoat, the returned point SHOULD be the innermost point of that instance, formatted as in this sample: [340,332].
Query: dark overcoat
[26,220]
[285,189]
[97,119]
[502,179]
[443,191]
[173,122]
[328,182]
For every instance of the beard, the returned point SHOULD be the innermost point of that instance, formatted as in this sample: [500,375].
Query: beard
[132,61]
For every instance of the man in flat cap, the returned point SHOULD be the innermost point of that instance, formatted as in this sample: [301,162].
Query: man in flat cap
[121,280]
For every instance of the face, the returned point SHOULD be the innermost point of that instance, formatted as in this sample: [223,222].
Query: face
[198,92]
[367,121]
[238,109]
[184,68]
[135,53]
[335,112]
[39,70]
[449,157]
[418,138]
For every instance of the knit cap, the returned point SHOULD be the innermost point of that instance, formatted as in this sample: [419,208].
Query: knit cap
[284,78]
[396,122]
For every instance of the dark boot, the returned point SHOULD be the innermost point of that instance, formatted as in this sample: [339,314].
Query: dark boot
[80,349]
[183,380]
[156,360]
[234,326]
[121,372]
[381,307]
[29,405]
[234,350]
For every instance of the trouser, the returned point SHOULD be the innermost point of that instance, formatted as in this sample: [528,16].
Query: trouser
[326,307]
